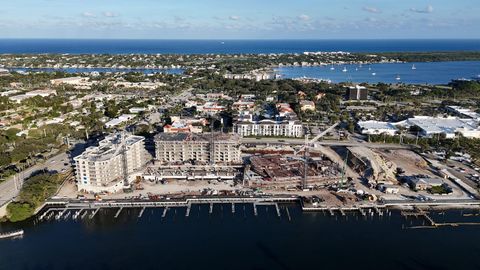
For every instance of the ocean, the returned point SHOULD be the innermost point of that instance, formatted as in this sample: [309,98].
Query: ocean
[240,240]
[118,46]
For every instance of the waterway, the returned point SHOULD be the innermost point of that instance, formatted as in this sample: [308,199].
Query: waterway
[424,73]
[241,240]
[430,72]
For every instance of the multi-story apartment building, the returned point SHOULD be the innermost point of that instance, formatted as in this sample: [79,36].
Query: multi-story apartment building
[281,123]
[269,128]
[207,148]
[357,92]
[103,168]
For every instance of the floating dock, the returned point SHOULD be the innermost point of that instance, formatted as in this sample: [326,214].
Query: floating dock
[13,234]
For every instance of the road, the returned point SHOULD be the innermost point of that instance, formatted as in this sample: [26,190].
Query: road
[289,141]
[10,188]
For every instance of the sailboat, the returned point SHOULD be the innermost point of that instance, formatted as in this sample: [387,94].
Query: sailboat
[332,68]
[413,67]
[398,78]
[344,69]
[373,73]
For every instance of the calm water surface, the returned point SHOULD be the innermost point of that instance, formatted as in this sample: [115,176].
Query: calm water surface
[241,241]
[431,73]
[119,46]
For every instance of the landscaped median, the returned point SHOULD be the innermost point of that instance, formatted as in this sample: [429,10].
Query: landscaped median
[35,191]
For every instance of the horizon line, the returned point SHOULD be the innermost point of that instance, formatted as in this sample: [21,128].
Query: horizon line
[240,39]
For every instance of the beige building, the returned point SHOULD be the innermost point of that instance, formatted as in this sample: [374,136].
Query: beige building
[102,168]
[197,148]
[307,105]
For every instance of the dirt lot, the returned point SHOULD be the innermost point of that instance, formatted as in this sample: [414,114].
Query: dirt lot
[409,161]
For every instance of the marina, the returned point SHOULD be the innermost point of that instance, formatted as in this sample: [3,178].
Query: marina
[280,206]
[260,236]
[419,73]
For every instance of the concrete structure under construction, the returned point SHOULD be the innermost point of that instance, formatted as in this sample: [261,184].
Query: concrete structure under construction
[207,148]
[104,168]
[276,171]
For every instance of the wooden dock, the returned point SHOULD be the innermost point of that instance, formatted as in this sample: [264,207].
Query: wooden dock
[118,212]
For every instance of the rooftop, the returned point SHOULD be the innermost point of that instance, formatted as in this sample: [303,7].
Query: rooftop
[109,147]
[205,137]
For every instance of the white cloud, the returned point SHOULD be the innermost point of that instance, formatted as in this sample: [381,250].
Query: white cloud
[371,9]
[87,14]
[110,14]
[234,18]
[304,17]
[428,9]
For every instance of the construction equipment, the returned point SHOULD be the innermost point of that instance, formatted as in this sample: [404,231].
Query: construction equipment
[325,132]
[344,170]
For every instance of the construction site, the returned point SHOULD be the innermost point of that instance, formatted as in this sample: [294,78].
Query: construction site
[290,172]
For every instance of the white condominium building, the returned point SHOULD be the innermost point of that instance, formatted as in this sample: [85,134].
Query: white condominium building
[103,168]
[285,125]
[197,148]
[269,128]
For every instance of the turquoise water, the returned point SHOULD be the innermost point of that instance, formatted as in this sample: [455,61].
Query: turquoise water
[78,46]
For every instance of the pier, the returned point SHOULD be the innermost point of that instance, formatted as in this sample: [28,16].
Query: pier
[288,214]
[77,214]
[94,213]
[278,210]
[118,212]
[76,209]
[141,212]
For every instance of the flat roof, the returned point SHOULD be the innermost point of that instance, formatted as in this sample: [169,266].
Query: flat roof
[196,137]
[376,125]
[442,125]
[107,148]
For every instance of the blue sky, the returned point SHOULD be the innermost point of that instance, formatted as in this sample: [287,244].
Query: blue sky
[239,19]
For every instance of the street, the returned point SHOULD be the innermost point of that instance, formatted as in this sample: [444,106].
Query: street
[10,188]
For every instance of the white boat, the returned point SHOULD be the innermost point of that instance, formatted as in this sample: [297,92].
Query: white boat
[14,234]
[413,67]
[398,78]
[345,69]
[332,68]
[373,73]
